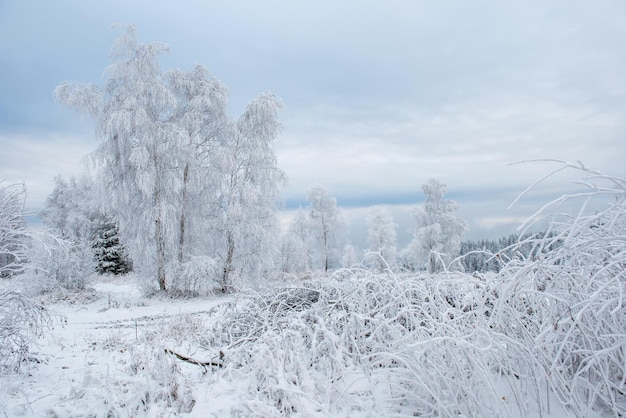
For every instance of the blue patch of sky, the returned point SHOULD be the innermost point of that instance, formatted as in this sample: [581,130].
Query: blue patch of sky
[346,200]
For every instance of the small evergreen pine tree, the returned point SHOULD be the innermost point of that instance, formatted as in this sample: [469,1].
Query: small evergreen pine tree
[109,253]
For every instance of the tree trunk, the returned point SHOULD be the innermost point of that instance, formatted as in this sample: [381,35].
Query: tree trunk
[230,252]
[432,262]
[160,249]
[181,239]
[159,238]
[326,249]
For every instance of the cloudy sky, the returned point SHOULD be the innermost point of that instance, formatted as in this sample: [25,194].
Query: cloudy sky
[379,95]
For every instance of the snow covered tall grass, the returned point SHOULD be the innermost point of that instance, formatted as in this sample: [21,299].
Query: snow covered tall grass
[550,324]
[566,302]
[361,342]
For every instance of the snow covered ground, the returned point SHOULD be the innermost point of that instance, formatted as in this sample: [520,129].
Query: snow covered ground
[106,357]
[91,363]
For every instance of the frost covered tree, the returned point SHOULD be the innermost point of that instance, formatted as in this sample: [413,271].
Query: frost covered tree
[292,255]
[491,255]
[137,157]
[438,233]
[249,192]
[91,238]
[70,215]
[295,245]
[69,210]
[382,238]
[199,128]
[350,256]
[326,223]
[14,236]
[188,186]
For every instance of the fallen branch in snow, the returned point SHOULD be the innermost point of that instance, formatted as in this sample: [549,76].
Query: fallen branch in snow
[203,364]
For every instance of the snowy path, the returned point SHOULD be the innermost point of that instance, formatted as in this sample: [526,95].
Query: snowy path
[95,350]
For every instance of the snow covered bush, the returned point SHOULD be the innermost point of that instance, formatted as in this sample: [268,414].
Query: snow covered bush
[56,265]
[21,322]
[151,384]
[198,275]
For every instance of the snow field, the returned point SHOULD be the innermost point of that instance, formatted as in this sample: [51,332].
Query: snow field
[355,344]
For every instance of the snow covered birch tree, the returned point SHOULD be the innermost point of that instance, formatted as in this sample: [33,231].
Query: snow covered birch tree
[249,191]
[183,180]
[437,236]
[200,124]
[326,227]
[136,157]
[70,215]
[296,245]
[382,238]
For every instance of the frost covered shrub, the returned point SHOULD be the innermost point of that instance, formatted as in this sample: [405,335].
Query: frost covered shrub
[362,341]
[196,276]
[21,322]
[21,319]
[14,235]
[567,300]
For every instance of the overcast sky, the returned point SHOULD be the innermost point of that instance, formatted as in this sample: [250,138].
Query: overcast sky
[380,95]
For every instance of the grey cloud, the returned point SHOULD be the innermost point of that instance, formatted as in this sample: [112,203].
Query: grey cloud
[380,96]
